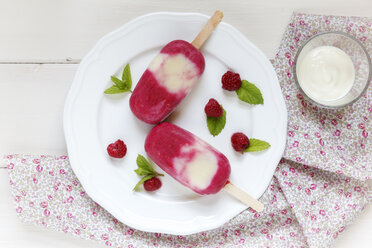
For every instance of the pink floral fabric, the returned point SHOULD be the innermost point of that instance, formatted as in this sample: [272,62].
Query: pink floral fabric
[332,140]
[318,188]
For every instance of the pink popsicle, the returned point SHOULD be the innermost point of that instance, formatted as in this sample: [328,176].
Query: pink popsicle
[166,82]
[187,158]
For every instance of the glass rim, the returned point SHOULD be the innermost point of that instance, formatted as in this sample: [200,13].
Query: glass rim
[348,36]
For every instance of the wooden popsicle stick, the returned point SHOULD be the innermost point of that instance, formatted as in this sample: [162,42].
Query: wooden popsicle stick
[243,197]
[207,29]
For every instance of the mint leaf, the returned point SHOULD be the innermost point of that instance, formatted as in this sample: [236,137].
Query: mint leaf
[256,145]
[117,82]
[121,86]
[114,90]
[142,172]
[127,77]
[144,169]
[136,188]
[249,93]
[144,165]
[216,124]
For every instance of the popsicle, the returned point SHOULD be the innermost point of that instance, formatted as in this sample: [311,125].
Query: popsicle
[193,162]
[170,76]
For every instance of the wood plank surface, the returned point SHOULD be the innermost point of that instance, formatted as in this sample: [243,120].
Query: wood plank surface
[53,31]
[31,105]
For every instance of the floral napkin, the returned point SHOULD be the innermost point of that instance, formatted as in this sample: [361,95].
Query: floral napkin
[318,188]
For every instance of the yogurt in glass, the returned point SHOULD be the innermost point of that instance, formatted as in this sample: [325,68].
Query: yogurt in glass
[325,74]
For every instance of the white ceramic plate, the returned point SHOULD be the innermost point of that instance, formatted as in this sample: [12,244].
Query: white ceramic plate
[92,120]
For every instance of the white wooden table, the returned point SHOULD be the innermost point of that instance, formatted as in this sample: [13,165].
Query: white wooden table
[41,44]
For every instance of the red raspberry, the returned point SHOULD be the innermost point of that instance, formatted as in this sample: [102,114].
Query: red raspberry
[117,149]
[213,108]
[152,184]
[231,81]
[239,141]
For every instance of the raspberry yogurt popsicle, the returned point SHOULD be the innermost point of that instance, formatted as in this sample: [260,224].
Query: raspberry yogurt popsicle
[193,162]
[170,76]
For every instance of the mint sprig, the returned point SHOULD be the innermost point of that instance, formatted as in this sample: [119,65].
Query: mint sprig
[249,93]
[123,85]
[216,124]
[256,145]
[145,170]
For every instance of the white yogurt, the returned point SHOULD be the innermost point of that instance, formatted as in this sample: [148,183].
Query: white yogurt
[175,72]
[199,171]
[325,73]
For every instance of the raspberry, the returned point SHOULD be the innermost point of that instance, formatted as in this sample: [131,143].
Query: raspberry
[117,149]
[213,108]
[152,184]
[231,81]
[239,141]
